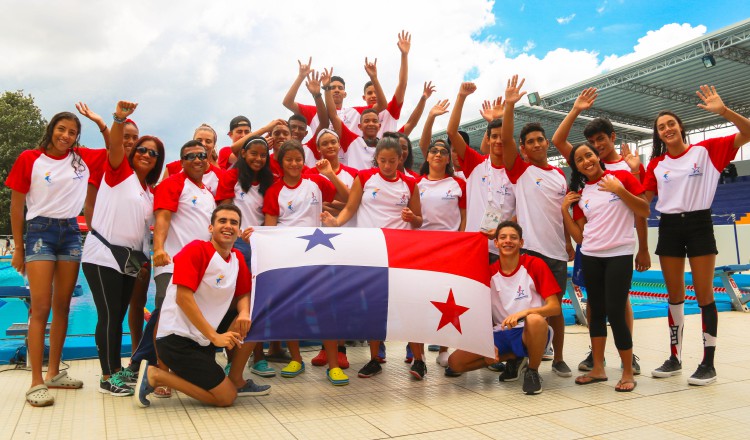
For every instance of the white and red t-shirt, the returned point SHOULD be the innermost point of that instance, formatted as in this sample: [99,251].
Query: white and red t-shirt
[215,282]
[357,154]
[388,117]
[346,175]
[460,175]
[224,154]
[191,206]
[609,222]
[250,202]
[349,117]
[442,201]
[300,205]
[621,165]
[486,185]
[210,176]
[383,200]
[688,182]
[527,287]
[52,186]
[539,196]
[123,216]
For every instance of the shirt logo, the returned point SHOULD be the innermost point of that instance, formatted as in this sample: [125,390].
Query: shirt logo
[520,294]
[449,195]
[314,200]
[696,171]
[78,176]
[586,204]
[375,192]
[562,190]
[289,206]
[421,193]
[614,198]
[503,190]
[242,195]
[484,178]
[218,280]
[665,176]
[404,200]
[539,182]
[48,177]
[194,201]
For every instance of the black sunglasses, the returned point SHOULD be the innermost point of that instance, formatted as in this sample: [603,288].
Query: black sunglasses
[442,151]
[144,150]
[193,156]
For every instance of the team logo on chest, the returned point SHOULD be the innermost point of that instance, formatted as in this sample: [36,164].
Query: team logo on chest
[374,192]
[520,294]
[421,193]
[404,200]
[539,182]
[314,200]
[665,176]
[484,179]
[78,175]
[449,195]
[219,278]
[194,201]
[48,177]
[696,171]
[562,190]
[242,195]
[586,204]
[614,198]
[289,206]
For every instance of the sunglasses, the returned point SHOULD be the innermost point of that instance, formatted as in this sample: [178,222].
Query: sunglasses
[193,156]
[144,150]
[436,151]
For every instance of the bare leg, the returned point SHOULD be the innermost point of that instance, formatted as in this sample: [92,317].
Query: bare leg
[66,275]
[293,347]
[332,353]
[534,337]
[223,394]
[239,360]
[40,275]
[702,269]
[417,350]
[558,326]
[374,348]
[673,269]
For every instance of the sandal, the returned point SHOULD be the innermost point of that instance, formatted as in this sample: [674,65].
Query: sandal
[585,379]
[620,383]
[63,381]
[39,396]
[163,392]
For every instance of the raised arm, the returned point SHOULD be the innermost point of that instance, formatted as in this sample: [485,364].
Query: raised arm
[438,109]
[713,103]
[313,86]
[333,116]
[513,94]
[404,45]
[289,102]
[413,120]
[325,169]
[372,72]
[457,142]
[266,129]
[490,111]
[560,139]
[116,151]
[84,110]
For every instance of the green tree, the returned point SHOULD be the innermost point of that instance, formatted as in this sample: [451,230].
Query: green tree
[21,127]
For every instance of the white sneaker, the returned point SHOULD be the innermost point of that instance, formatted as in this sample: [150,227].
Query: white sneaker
[442,359]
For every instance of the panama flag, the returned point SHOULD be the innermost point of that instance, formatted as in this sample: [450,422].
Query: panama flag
[376,284]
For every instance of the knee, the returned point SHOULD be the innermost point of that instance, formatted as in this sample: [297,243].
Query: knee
[535,322]
[226,399]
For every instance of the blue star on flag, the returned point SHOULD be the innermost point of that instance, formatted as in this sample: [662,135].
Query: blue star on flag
[318,238]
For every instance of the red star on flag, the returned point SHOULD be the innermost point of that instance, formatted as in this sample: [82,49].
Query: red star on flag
[451,312]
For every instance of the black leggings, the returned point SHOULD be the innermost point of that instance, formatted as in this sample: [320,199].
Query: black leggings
[607,287]
[111,291]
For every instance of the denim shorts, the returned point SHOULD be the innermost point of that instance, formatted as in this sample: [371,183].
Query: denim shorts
[53,239]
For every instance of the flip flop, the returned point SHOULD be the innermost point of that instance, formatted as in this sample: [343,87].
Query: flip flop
[39,396]
[589,379]
[625,390]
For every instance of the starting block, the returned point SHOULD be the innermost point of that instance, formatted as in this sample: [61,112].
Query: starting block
[725,273]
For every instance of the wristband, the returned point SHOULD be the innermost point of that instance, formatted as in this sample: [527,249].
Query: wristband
[101,130]
[317,95]
[118,120]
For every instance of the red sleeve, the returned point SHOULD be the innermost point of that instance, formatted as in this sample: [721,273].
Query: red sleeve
[174,167]
[115,176]
[544,281]
[394,108]
[271,199]
[630,182]
[721,150]
[362,108]
[366,174]
[462,199]
[19,177]
[167,193]
[308,111]
[577,211]
[327,188]
[352,172]
[95,160]
[313,146]
[227,181]
[649,182]
[190,264]
[410,182]
[347,137]
[519,166]
[471,160]
[494,267]
[224,155]
[244,283]
[276,170]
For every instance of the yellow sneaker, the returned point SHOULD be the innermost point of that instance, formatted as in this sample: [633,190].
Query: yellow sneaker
[294,369]
[337,377]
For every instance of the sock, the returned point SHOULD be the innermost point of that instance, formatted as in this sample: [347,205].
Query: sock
[710,320]
[676,318]
[342,349]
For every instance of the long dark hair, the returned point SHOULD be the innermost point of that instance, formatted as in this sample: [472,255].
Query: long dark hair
[425,169]
[246,176]
[577,179]
[153,176]
[409,162]
[658,148]
[75,159]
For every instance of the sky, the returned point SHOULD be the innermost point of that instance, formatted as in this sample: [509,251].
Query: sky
[193,62]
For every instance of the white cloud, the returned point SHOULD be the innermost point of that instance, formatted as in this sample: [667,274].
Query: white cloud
[565,20]
[654,42]
[530,45]
[210,61]
[602,7]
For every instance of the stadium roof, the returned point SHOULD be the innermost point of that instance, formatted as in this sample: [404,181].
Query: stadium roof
[632,95]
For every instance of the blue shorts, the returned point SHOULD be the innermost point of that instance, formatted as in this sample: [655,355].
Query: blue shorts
[511,341]
[53,239]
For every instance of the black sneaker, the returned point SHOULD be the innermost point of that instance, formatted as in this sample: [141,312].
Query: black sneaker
[497,367]
[669,368]
[532,382]
[636,367]
[370,369]
[128,376]
[704,375]
[114,386]
[588,363]
[561,369]
[418,369]
[513,369]
[450,373]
